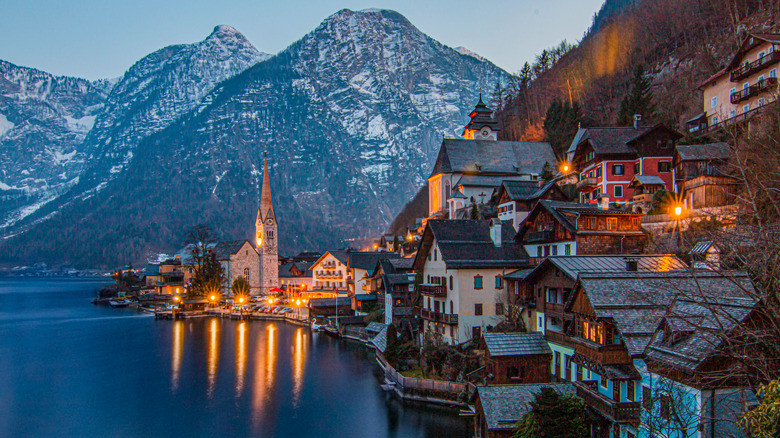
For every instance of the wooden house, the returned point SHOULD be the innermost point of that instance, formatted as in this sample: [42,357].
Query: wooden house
[701,175]
[499,407]
[515,199]
[513,358]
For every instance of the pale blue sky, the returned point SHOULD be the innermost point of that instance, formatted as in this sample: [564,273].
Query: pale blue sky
[103,38]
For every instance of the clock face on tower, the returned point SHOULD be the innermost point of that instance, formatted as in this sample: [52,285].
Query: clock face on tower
[269,222]
[485,132]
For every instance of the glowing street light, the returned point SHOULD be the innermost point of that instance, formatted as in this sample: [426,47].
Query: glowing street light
[565,167]
[298,302]
[270,301]
[678,211]
[212,298]
[176,298]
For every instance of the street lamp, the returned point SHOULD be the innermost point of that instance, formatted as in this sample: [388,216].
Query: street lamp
[565,167]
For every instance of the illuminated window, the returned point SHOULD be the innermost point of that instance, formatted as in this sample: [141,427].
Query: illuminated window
[612,223]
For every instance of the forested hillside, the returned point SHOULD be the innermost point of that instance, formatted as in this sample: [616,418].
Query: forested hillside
[679,43]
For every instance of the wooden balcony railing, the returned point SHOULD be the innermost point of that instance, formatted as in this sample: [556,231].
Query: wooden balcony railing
[603,354]
[540,236]
[434,290]
[431,315]
[744,71]
[586,183]
[753,90]
[625,412]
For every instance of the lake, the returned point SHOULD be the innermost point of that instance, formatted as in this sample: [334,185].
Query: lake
[72,369]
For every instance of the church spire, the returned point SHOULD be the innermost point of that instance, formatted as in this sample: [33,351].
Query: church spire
[266,203]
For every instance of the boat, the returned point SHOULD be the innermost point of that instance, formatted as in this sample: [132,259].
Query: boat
[118,303]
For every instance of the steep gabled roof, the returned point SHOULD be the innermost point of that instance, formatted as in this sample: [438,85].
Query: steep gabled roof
[526,190]
[227,248]
[492,157]
[566,213]
[701,152]
[608,139]
[646,180]
[466,244]
[367,260]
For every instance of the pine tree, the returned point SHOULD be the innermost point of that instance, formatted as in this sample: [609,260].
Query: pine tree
[547,172]
[240,286]
[396,244]
[497,97]
[391,349]
[526,76]
[209,277]
[639,100]
[554,415]
[474,212]
[561,124]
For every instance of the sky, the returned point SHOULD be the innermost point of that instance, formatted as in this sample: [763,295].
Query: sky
[97,39]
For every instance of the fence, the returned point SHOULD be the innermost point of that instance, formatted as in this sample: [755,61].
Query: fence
[407,383]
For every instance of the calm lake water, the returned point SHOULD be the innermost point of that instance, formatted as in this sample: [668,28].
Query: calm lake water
[71,369]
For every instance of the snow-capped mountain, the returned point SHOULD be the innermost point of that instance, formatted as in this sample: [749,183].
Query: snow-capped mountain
[86,132]
[43,121]
[351,115]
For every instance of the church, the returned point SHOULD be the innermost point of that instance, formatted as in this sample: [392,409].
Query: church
[266,235]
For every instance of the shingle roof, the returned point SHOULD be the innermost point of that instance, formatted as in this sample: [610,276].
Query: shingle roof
[367,260]
[516,344]
[492,157]
[559,210]
[487,180]
[572,266]
[608,140]
[638,301]
[402,263]
[647,180]
[226,248]
[402,278]
[520,274]
[380,340]
[467,244]
[330,302]
[504,405]
[709,151]
[375,327]
[526,190]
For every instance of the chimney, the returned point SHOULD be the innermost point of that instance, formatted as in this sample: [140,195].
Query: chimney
[605,202]
[632,265]
[637,119]
[495,232]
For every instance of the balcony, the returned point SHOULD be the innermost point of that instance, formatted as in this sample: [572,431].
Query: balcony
[626,412]
[431,315]
[587,183]
[603,354]
[330,274]
[540,236]
[559,338]
[433,290]
[754,90]
[744,71]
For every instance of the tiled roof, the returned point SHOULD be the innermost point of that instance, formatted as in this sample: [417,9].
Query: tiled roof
[572,266]
[516,344]
[492,157]
[466,244]
[380,340]
[375,327]
[402,278]
[504,405]
[330,302]
[402,263]
[520,274]
[609,140]
[526,190]
[709,151]
[559,210]
[487,180]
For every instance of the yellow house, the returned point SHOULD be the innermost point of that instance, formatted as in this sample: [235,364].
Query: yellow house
[746,84]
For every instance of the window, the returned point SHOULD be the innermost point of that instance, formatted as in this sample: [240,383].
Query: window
[666,407]
[761,101]
[477,282]
[618,191]
[715,120]
[618,169]
[630,391]
[732,91]
[732,113]
[450,282]
[538,251]
[598,172]
[452,331]
[567,249]
[590,223]
[429,257]
[773,73]
[612,223]
[761,78]
[270,234]
[746,108]
[435,255]
[546,250]
[664,166]
[557,362]
[478,309]
[636,168]
[647,400]
[761,54]
[499,308]
[604,382]
[451,311]
[714,102]
[555,250]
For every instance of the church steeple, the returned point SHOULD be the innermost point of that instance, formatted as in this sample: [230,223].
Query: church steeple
[482,126]
[266,228]
[266,202]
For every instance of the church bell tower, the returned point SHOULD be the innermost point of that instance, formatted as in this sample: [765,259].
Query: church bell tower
[266,237]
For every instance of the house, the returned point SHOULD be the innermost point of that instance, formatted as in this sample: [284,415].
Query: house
[615,318]
[500,407]
[360,266]
[608,158]
[702,178]
[688,384]
[327,307]
[645,188]
[295,277]
[705,255]
[238,259]
[551,284]
[516,358]
[329,275]
[484,160]
[393,283]
[743,87]
[462,263]
[169,277]
[568,228]
[516,199]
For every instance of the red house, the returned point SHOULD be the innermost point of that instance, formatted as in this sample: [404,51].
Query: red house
[607,159]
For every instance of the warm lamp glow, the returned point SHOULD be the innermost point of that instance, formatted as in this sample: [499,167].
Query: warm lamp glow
[678,211]
[270,301]
[259,241]
[212,297]
[241,300]
[565,167]
[176,298]
[298,302]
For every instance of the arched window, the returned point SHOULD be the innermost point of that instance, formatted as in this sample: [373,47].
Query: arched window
[446,189]
[246,274]
[450,282]
[435,255]
[451,312]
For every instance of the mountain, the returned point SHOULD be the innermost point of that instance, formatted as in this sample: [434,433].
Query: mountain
[351,115]
[43,121]
[101,123]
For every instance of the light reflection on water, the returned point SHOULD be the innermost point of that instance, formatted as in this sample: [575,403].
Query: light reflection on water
[111,372]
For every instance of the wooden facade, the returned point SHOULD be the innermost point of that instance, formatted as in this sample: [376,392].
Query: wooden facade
[529,368]
[710,191]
